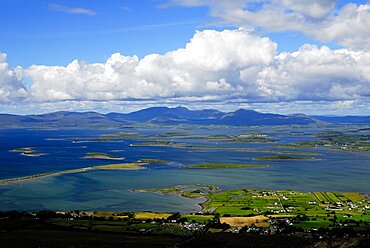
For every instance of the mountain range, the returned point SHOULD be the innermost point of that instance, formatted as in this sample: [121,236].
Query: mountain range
[169,116]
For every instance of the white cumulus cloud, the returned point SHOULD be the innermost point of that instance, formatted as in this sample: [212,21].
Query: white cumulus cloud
[11,86]
[313,73]
[347,26]
[209,64]
[213,66]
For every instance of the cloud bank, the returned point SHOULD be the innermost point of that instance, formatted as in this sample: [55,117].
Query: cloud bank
[215,66]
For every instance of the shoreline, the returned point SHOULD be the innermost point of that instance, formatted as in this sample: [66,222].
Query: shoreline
[128,166]
[177,191]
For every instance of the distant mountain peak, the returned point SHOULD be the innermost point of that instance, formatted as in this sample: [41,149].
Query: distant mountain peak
[156,115]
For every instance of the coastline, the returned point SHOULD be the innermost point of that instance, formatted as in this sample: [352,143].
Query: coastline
[128,166]
[177,191]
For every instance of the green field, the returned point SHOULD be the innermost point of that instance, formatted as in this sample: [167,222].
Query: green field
[335,140]
[306,210]
[119,226]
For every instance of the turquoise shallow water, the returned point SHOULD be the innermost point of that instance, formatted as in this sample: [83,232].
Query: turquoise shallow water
[112,190]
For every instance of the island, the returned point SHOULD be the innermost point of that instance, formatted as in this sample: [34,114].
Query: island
[171,134]
[27,151]
[335,140]
[122,135]
[225,166]
[126,166]
[187,191]
[241,138]
[152,160]
[101,155]
[162,143]
[284,158]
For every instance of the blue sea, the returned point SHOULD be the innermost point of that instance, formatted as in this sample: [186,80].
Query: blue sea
[64,149]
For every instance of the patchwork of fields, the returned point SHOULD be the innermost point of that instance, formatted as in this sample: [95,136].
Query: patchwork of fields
[307,210]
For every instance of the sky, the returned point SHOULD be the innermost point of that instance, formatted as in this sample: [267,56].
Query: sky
[280,56]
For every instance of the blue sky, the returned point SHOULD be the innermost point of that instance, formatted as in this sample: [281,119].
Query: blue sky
[31,32]
[48,34]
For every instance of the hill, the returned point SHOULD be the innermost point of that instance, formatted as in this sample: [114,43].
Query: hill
[169,116]
[344,119]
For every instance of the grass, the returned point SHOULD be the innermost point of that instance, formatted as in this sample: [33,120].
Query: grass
[122,135]
[320,197]
[172,191]
[198,218]
[152,160]
[215,230]
[126,166]
[332,197]
[225,166]
[354,196]
[314,224]
[172,134]
[235,138]
[101,155]
[245,221]
[335,140]
[188,191]
[163,143]
[114,215]
[240,207]
[304,144]
[151,215]
[102,225]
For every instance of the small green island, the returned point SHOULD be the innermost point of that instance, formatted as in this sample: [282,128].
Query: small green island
[274,151]
[187,191]
[283,158]
[28,152]
[152,160]
[101,155]
[162,143]
[171,134]
[242,138]
[125,166]
[225,166]
[122,135]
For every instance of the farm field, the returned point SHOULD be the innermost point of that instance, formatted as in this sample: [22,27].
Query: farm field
[305,210]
